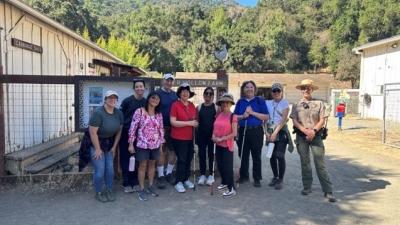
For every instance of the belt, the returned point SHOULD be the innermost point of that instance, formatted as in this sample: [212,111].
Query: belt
[251,127]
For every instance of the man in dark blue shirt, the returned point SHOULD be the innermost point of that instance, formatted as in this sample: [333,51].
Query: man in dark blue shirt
[251,111]
[168,96]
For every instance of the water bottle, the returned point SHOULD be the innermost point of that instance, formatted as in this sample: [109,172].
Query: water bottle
[270,149]
[132,164]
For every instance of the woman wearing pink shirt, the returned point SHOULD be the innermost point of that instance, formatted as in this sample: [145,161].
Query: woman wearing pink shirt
[147,128]
[225,130]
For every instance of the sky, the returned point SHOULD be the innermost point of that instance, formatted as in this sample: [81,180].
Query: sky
[247,2]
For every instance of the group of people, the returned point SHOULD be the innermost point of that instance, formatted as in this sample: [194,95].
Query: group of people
[160,131]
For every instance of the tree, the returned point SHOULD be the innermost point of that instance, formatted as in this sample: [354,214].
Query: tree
[348,68]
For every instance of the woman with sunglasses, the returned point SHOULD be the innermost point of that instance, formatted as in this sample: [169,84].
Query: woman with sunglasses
[309,117]
[148,131]
[206,116]
[279,111]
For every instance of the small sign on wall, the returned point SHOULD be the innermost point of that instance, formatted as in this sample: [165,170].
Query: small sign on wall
[25,45]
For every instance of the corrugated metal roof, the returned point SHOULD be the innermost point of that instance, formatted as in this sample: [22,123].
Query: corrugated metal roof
[393,39]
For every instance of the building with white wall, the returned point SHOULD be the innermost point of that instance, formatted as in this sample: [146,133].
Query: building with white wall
[380,65]
[33,44]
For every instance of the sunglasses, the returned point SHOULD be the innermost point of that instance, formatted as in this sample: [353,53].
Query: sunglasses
[208,93]
[276,91]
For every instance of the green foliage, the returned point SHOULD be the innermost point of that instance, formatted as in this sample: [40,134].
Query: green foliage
[275,36]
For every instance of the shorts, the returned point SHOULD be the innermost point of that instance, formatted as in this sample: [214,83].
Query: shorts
[168,140]
[147,154]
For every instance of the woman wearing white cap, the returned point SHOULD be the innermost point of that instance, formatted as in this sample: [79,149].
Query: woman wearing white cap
[183,120]
[105,127]
[278,108]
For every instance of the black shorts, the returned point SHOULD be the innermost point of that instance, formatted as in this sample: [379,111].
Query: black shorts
[168,140]
[147,154]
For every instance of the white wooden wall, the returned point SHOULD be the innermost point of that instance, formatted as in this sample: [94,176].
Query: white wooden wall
[379,65]
[37,113]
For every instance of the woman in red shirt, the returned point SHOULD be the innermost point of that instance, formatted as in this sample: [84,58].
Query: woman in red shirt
[225,130]
[183,121]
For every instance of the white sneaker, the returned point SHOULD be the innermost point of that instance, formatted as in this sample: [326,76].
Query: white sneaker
[129,189]
[189,184]
[222,186]
[229,193]
[202,180]
[210,180]
[180,188]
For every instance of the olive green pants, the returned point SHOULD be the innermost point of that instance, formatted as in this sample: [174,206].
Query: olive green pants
[318,150]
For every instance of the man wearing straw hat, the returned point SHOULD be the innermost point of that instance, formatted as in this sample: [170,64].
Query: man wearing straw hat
[309,117]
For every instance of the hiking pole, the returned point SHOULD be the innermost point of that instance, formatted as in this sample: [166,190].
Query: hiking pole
[241,152]
[194,160]
[213,171]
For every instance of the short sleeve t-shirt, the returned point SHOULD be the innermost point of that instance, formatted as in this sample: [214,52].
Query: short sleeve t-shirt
[107,123]
[128,107]
[223,127]
[167,98]
[276,109]
[183,113]
[308,113]
[257,104]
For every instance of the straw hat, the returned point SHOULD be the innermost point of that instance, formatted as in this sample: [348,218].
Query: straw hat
[307,83]
[225,98]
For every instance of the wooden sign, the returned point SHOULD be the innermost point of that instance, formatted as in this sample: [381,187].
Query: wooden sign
[25,45]
[202,82]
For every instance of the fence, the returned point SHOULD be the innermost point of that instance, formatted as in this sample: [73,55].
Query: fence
[391,115]
[349,96]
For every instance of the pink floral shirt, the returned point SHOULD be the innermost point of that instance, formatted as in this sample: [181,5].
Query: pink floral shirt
[149,130]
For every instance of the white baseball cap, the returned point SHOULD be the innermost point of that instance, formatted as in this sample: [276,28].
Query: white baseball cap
[111,92]
[168,76]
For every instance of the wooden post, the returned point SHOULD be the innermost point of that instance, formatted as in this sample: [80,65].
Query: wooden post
[2,129]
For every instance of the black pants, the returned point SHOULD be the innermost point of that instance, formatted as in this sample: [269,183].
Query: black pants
[184,152]
[206,147]
[128,178]
[225,165]
[277,161]
[252,144]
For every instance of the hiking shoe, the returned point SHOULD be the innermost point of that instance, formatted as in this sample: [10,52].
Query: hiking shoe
[180,188]
[279,184]
[257,183]
[306,191]
[189,184]
[150,190]
[110,196]
[273,182]
[229,193]
[222,186]
[210,180]
[243,180]
[330,197]
[129,189]
[161,182]
[100,197]
[170,178]
[142,195]
[202,180]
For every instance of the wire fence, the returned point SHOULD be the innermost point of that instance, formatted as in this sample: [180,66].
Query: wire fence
[391,115]
[349,96]
[36,113]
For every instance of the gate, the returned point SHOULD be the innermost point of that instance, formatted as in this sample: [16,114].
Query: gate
[391,115]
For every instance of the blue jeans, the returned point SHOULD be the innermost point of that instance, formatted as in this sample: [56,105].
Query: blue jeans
[103,170]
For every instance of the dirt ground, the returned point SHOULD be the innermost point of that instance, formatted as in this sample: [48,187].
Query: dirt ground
[364,172]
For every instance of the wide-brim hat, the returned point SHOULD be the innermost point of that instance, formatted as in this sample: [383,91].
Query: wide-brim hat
[225,98]
[184,86]
[307,83]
